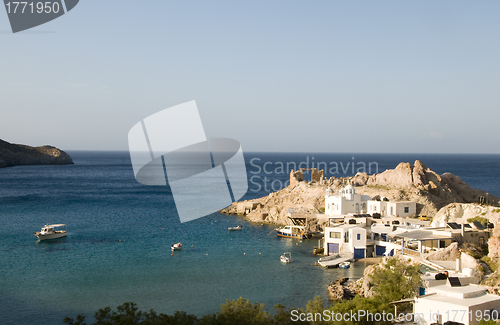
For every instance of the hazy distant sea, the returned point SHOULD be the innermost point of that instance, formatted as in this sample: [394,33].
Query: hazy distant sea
[120,233]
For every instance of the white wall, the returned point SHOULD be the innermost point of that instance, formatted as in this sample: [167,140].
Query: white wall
[353,241]
[429,309]
[352,233]
[330,240]
[347,201]
[451,312]
[400,209]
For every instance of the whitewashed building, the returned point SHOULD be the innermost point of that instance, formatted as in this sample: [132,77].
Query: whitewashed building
[460,304]
[347,201]
[345,239]
[388,209]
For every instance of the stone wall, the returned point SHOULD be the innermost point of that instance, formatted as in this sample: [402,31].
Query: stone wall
[298,176]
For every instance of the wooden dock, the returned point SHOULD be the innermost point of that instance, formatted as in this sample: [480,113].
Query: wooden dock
[335,261]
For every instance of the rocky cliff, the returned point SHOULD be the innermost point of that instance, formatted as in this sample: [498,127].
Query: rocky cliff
[18,154]
[460,212]
[406,182]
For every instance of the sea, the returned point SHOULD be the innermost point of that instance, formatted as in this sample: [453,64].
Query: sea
[119,236]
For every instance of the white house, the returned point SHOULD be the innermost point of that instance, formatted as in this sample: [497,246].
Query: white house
[377,207]
[387,209]
[460,304]
[347,201]
[345,239]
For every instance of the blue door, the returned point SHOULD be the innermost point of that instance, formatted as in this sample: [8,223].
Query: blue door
[359,253]
[333,248]
[380,250]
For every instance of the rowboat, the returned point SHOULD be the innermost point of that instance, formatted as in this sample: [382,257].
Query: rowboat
[175,247]
[345,265]
[286,257]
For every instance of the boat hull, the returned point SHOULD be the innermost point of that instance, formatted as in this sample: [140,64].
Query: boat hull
[55,235]
[287,235]
[344,265]
[176,247]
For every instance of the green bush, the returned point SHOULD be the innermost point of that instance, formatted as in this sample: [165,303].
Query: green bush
[241,312]
[491,264]
[128,314]
[392,281]
[482,220]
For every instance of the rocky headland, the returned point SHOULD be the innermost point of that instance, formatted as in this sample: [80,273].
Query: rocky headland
[18,154]
[406,182]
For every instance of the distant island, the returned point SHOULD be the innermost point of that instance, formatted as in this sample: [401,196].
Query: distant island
[18,154]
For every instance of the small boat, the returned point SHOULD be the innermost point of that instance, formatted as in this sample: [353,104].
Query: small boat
[234,228]
[48,232]
[175,247]
[292,232]
[329,258]
[286,257]
[345,265]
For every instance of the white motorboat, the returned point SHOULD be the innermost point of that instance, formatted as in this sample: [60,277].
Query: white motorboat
[234,228]
[48,232]
[286,257]
[175,247]
[329,258]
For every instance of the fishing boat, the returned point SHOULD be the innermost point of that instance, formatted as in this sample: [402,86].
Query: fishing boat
[286,257]
[175,247]
[345,265]
[48,232]
[234,228]
[292,232]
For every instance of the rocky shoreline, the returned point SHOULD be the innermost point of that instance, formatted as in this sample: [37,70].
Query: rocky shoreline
[18,154]
[406,182]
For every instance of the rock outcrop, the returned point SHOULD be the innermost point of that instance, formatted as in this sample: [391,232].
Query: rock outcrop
[460,212]
[420,184]
[416,183]
[18,154]
[338,290]
[450,253]
[274,207]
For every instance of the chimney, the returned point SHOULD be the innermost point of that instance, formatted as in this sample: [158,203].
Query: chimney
[463,229]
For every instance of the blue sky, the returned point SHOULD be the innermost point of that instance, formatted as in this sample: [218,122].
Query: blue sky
[304,76]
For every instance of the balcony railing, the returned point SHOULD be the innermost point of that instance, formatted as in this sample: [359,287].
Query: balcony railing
[411,252]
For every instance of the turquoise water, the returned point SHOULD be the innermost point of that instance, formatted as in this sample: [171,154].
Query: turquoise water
[120,232]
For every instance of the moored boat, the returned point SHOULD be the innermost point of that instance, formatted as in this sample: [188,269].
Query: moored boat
[234,228]
[286,257]
[345,265]
[48,232]
[175,247]
[292,232]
